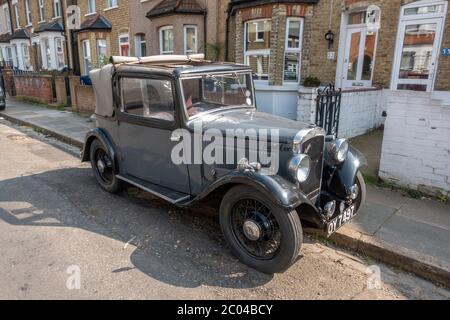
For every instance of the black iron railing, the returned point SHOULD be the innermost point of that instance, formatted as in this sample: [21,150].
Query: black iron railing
[329,109]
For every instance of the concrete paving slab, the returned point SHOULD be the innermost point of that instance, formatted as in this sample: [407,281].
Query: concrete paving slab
[371,218]
[427,211]
[417,236]
[385,197]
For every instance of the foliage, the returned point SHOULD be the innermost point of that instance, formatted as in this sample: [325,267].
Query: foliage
[213,51]
[311,82]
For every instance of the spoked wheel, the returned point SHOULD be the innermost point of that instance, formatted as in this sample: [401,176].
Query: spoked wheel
[260,233]
[102,166]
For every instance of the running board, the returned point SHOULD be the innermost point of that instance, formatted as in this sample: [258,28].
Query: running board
[169,195]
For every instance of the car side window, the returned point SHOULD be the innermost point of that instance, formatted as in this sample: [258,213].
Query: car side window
[148,98]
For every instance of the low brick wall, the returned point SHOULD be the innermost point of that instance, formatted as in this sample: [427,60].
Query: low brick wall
[82,97]
[36,87]
[416,145]
[61,91]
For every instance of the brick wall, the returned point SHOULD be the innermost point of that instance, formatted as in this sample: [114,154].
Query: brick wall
[39,88]
[82,97]
[416,148]
[61,91]
[8,79]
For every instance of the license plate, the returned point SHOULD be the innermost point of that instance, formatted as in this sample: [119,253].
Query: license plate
[340,220]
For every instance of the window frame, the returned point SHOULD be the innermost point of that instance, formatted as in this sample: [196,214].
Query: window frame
[56,9]
[112,4]
[60,53]
[140,120]
[7,16]
[97,40]
[294,50]
[85,57]
[259,52]
[91,5]
[123,36]
[140,39]
[185,28]
[41,5]
[16,13]
[161,40]
[28,16]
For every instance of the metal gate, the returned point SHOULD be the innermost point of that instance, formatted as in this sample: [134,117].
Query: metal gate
[328,109]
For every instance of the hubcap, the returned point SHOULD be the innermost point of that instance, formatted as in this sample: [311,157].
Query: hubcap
[252,230]
[355,192]
[256,229]
[101,166]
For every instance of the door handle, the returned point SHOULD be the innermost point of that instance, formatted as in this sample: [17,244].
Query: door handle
[175,138]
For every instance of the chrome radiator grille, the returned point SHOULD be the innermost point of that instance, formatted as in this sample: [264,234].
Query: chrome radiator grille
[314,148]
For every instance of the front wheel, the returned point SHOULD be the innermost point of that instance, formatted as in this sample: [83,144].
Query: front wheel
[360,188]
[260,233]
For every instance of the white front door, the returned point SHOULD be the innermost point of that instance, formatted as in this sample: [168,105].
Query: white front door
[416,54]
[359,57]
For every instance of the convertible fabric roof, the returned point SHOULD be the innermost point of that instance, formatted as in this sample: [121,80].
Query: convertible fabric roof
[102,82]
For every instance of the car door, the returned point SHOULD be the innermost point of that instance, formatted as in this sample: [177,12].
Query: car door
[147,119]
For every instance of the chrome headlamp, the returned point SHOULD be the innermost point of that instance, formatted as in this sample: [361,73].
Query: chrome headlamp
[300,167]
[338,149]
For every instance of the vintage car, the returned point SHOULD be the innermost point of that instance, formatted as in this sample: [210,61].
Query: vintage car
[146,107]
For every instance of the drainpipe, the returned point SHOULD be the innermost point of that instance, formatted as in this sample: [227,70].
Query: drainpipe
[65,31]
[205,23]
[227,30]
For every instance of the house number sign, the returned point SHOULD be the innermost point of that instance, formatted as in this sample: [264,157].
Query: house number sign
[446,52]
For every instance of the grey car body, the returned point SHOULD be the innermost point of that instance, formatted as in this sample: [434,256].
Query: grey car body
[139,150]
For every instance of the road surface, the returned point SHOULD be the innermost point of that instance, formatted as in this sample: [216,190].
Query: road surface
[62,237]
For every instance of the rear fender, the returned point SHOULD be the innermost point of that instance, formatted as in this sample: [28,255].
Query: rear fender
[104,138]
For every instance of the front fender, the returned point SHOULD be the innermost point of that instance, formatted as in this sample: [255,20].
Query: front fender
[344,176]
[102,136]
[282,192]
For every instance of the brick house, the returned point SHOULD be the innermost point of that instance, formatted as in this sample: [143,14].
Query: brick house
[178,27]
[105,31]
[284,42]
[37,40]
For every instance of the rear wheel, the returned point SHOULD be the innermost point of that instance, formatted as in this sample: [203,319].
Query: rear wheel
[102,166]
[260,233]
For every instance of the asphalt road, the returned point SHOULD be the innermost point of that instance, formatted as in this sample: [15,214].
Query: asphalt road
[62,237]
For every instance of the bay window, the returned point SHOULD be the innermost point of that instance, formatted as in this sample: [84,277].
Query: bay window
[59,53]
[166,40]
[102,52]
[86,56]
[257,47]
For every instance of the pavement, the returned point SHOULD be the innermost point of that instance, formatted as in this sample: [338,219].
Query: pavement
[410,234]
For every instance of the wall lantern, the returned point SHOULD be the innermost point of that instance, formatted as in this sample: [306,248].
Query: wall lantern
[329,36]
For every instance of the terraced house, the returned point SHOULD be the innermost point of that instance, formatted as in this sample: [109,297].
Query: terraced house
[37,40]
[104,31]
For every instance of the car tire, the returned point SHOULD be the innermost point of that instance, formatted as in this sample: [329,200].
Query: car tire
[106,178]
[361,199]
[288,223]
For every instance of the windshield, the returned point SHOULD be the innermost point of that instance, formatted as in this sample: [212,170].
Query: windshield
[210,92]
